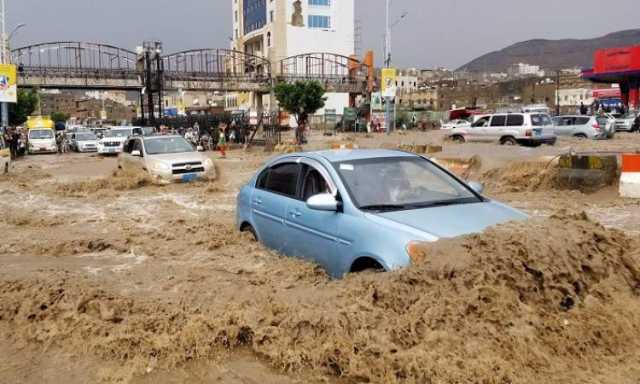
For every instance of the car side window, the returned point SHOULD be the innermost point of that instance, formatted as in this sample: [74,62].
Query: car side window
[582,120]
[483,122]
[498,120]
[283,179]
[313,183]
[515,120]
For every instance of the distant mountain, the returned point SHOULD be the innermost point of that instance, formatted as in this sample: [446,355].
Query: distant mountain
[551,54]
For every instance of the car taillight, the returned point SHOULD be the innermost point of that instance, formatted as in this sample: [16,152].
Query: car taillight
[528,133]
[596,126]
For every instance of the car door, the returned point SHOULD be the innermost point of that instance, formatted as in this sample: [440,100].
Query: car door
[477,130]
[313,233]
[514,124]
[496,128]
[277,186]
[129,161]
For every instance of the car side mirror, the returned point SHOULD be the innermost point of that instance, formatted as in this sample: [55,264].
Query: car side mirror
[136,153]
[477,187]
[200,148]
[323,202]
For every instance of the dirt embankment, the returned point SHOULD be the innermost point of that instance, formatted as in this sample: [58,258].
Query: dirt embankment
[522,177]
[554,301]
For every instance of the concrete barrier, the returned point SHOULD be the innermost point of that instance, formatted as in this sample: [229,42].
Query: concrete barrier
[420,149]
[587,172]
[630,176]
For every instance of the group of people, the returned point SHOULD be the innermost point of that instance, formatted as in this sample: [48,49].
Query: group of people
[203,138]
[11,139]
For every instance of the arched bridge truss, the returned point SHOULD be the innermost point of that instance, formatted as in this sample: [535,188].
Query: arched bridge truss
[80,65]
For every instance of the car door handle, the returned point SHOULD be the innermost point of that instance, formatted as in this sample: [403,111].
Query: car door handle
[295,213]
[257,201]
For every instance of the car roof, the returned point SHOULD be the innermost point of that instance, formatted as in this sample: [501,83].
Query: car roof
[159,137]
[338,155]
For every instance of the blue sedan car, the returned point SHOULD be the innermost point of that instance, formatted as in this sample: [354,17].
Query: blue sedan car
[353,210]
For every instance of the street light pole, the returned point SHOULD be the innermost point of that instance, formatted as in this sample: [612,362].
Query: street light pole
[4,107]
[387,58]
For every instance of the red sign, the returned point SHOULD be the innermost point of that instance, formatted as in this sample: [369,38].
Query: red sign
[607,93]
[617,60]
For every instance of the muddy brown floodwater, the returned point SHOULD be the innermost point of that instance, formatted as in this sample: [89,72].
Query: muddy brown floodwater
[107,278]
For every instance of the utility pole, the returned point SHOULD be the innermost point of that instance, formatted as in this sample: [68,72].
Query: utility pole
[387,58]
[4,108]
[558,93]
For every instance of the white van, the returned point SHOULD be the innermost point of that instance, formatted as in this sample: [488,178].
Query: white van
[41,140]
[531,129]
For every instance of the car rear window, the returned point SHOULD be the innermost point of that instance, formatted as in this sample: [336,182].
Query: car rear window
[540,120]
[515,120]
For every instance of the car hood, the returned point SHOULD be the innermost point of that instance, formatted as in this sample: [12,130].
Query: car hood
[177,157]
[85,142]
[455,220]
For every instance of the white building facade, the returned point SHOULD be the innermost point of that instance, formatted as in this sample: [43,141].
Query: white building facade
[279,29]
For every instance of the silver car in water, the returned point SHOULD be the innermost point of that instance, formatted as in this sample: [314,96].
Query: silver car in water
[584,127]
[166,158]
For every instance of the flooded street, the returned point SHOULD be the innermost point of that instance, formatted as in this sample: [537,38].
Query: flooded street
[123,281]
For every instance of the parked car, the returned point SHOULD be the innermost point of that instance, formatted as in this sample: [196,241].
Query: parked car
[629,122]
[585,127]
[165,158]
[454,124]
[364,209]
[84,142]
[532,129]
[113,140]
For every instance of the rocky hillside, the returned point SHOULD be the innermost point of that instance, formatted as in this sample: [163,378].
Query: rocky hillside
[551,54]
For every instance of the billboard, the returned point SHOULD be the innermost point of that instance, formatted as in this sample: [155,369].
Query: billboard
[388,82]
[8,84]
[617,60]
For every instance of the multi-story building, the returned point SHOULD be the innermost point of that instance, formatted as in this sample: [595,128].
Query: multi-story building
[525,70]
[278,29]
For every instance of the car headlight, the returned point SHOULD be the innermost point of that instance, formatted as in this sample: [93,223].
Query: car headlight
[208,163]
[417,251]
[161,167]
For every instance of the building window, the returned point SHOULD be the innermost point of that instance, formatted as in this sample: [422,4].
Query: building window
[271,17]
[316,21]
[320,2]
[268,39]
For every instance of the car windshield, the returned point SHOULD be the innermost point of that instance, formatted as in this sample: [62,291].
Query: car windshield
[158,146]
[119,133]
[540,120]
[387,184]
[38,134]
[85,136]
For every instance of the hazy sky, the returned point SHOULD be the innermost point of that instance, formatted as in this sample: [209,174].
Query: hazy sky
[436,33]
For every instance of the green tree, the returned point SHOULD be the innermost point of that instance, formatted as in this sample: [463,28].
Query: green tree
[301,99]
[27,103]
[59,117]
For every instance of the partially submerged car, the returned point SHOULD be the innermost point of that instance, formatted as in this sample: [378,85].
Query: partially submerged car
[84,141]
[112,141]
[584,127]
[629,122]
[166,159]
[458,123]
[41,140]
[531,129]
[364,209]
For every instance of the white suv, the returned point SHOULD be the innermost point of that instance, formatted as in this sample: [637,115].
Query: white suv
[532,129]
